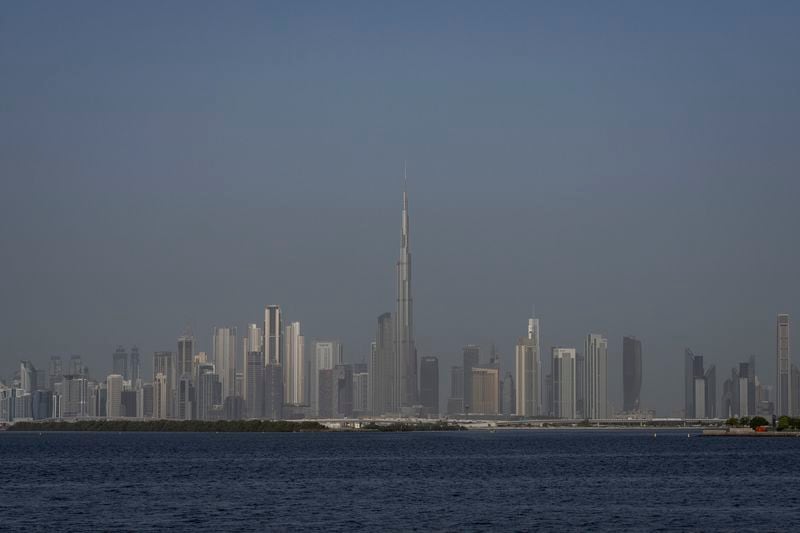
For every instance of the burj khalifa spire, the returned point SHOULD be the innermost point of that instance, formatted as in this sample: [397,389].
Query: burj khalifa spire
[405,350]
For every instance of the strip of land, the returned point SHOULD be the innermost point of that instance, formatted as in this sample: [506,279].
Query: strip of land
[220,426]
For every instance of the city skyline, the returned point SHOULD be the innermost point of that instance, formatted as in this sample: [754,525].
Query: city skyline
[391,372]
[587,162]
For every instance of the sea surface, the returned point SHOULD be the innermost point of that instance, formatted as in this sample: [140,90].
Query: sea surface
[581,480]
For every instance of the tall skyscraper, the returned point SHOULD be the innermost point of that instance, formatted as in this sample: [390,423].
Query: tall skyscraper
[42,404]
[184,398]
[471,357]
[273,391]
[529,370]
[161,396]
[343,390]
[252,339]
[563,382]
[56,371]
[596,353]
[742,389]
[429,385]
[455,402]
[327,354]
[509,395]
[164,363]
[120,358]
[783,382]
[272,342]
[224,339]
[710,402]
[485,391]
[185,355]
[294,366]
[580,385]
[326,403]
[114,395]
[254,389]
[386,398]
[27,377]
[360,393]
[76,367]
[372,365]
[129,403]
[147,400]
[75,399]
[700,387]
[795,386]
[631,374]
[135,366]
[404,320]
[207,382]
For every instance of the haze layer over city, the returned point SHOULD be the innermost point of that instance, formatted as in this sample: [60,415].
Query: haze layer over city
[184,166]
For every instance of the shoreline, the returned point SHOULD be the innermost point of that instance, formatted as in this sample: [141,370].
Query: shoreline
[372,426]
[726,433]
[221,426]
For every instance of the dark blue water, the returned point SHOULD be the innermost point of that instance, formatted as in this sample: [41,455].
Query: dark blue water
[457,481]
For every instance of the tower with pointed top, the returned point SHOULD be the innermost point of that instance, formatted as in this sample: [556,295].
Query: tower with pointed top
[405,349]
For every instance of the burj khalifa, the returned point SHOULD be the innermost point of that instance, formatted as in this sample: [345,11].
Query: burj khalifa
[405,350]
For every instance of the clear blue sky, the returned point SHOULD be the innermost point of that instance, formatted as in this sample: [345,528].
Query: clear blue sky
[629,167]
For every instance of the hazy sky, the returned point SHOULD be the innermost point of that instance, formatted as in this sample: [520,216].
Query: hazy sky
[631,168]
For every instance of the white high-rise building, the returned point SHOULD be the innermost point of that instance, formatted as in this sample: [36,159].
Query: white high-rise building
[327,354]
[528,363]
[596,377]
[251,340]
[254,338]
[114,395]
[700,398]
[564,382]
[27,377]
[75,399]
[225,359]
[783,382]
[294,369]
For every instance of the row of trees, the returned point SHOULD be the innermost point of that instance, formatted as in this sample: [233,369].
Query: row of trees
[788,423]
[746,421]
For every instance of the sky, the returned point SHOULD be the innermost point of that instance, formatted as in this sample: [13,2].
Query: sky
[628,168]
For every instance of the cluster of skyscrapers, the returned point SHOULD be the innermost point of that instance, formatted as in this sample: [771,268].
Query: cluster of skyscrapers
[271,376]
[743,394]
[270,372]
[568,385]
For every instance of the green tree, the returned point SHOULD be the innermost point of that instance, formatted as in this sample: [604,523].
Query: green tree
[757,421]
[732,421]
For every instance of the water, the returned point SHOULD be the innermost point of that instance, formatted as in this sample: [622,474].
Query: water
[457,481]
